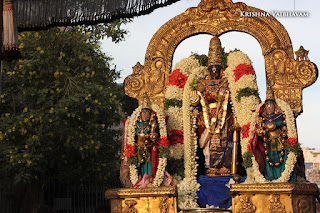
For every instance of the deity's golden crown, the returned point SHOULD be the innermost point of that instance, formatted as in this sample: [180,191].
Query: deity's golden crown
[146,104]
[215,52]
[270,93]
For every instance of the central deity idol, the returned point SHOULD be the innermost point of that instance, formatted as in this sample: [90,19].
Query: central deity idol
[214,115]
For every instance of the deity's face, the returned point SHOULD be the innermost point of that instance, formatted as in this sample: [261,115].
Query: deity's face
[214,71]
[269,107]
[145,115]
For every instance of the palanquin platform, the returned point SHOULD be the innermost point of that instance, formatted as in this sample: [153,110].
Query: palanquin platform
[246,198]
[274,197]
[147,200]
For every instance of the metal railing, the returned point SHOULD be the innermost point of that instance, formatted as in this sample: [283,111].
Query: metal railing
[60,198]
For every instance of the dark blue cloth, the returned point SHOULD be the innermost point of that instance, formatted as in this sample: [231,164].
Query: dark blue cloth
[213,191]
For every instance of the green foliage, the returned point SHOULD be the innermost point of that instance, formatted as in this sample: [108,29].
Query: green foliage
[112,30]
[203,59]
[163,152]
[194,83]
[175,166]
[225,57]
[58,109]
[295,148]
[246,92]
[247,159]
[172,102]
[133,160]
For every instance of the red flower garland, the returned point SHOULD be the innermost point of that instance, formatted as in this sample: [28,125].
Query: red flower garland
[243,69]
[130,151]
[176,136]
[164,142]
[249,147]
[177,78]
[176,132]
[245,130]
[175,139]
[292,141]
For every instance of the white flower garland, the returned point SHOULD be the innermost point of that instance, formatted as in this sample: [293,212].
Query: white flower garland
[174,92]
[257,177]
[175,118]
[174,113]
[132,127]
[176,179]
[187,65]
[187,189]
[133,174]
[176,151]
[160,172]
[247,110]
[244,108]
[182,119]
[163,133]
[236,58]
[187,192]
[292,130]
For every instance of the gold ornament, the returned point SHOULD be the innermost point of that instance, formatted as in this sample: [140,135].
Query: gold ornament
[270,93]
[146,104]
[302,54]
[215,52]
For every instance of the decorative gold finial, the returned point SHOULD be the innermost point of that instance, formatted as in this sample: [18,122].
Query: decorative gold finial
[137,69]
[215,52]
[146,104]
[302,54]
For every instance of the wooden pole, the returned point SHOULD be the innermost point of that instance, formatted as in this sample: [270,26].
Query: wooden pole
[1,29]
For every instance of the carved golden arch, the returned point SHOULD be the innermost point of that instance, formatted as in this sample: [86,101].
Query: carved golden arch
[286,75]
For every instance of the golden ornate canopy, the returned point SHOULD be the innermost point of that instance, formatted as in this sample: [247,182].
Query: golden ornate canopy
[286,75]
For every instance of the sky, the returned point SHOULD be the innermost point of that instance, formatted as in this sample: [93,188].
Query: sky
[302,31]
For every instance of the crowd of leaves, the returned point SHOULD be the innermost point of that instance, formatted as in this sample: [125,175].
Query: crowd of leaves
[59,108]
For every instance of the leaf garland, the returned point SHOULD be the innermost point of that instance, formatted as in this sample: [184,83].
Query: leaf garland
[247,159]
[172,103]
[246,92]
